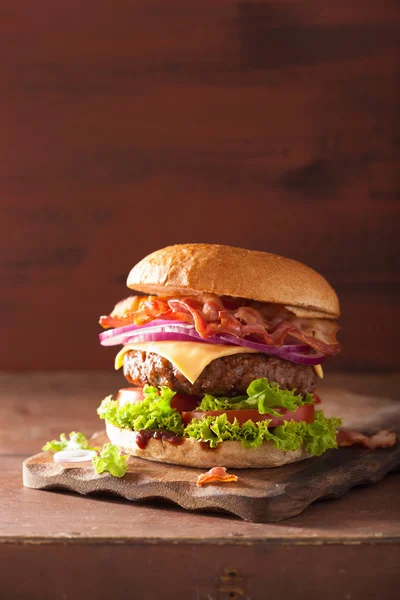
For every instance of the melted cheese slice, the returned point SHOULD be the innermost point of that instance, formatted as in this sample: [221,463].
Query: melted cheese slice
[190,358]
[319,371]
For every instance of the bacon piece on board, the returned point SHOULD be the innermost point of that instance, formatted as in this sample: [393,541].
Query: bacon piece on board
[215,475]
[381,439]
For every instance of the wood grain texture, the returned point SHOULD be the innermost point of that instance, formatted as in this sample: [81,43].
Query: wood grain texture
[198,572]
[259,495]
[352,543]
[365,515]
[264,124]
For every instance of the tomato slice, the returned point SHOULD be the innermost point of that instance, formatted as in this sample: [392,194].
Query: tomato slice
[186,405]
[303,413]
[182,402]
[129,396]
[317,399]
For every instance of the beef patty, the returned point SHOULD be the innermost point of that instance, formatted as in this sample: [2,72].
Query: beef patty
[227,376]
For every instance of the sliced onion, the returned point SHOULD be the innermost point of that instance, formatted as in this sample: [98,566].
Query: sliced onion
[73,456]
[158,331]
[165,336]
[298,353]
[113,337]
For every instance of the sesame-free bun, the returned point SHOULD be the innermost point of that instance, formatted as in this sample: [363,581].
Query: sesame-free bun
[191,453]
[229,271]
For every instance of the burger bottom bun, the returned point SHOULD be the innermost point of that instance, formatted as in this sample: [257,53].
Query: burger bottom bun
[191,453]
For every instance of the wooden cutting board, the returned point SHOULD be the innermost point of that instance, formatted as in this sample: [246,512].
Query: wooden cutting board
[260,495]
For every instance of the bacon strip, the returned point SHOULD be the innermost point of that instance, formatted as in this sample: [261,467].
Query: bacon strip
[216,474]
[211,315]
[381,439]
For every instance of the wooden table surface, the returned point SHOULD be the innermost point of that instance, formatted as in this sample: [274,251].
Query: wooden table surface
[70,546]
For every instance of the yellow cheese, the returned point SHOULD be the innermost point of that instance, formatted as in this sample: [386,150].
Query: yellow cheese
[319,371]
[190,358]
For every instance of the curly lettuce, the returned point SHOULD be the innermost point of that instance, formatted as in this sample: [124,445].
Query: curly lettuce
[153,412]
[111,460]
[76,441]
[315,437]
[263,395]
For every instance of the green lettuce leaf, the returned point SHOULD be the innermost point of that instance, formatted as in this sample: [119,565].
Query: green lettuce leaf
[316,437]
[210,402]
[76,441]
[262,395]
[321,434]
[111,460]
[154,412]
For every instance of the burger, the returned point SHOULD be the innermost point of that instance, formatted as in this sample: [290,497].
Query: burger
[223,348]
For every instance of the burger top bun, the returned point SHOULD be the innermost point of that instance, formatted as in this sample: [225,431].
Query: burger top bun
[191,453]
[228,271]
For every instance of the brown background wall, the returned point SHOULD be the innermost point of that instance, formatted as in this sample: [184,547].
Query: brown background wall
[127,126]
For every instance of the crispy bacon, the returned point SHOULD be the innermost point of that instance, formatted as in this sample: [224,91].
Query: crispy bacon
[307,333]
[108,321]
[121,314]
[211,315]
[381,439]
[216,474]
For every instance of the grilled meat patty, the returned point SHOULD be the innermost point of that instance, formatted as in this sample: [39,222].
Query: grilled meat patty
[227,376]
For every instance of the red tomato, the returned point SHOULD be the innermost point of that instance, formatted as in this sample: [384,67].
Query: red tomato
[303,413]
[184,402]
[181,402]
[186,405]
[129,396]
[317,399]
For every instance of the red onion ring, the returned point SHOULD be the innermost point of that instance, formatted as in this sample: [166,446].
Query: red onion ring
[159,330]
[113,337]
[73,456]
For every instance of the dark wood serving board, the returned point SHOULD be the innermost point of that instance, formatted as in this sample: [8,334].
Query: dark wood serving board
[260,495]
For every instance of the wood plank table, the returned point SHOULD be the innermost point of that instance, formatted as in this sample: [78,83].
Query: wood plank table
[59,545]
